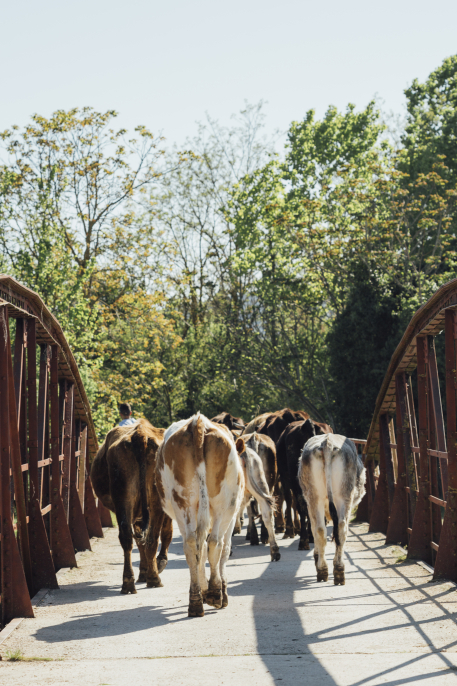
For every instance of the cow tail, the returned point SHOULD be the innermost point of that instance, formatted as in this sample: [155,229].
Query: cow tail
[140,443]
[259,490]
[327,449]
[203,517]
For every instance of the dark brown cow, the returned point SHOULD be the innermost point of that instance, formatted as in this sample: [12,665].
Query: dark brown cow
[273,426]
[288,452]
[231,422]
[123,477]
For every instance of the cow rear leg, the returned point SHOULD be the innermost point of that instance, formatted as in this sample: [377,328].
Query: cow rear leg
[195,595]
[267,517]
[124,519]
[279,517]
[264,535]
[343,509]
[151,546]
[317,517]
[253,535]
[304,523]
[143,559]
[296,517]
[290,531]
[214,592]
[166,536]
[226,545]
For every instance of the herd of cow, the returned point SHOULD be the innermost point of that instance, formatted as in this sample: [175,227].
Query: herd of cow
[204,473]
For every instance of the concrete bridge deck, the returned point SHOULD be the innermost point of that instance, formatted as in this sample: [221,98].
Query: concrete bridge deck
[390,624]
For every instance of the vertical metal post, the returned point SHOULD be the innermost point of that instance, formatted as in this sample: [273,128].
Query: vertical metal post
[15,453]
[446,559]
[419,543]
[91,515]
[76,522]
[63,552]
[67,433]
[15,598]
[437,413]
[397,531]
[379,519]
[42,565]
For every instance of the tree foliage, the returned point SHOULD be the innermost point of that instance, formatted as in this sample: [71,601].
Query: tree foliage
[231,276]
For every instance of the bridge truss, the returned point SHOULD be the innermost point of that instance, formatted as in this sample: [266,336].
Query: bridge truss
[47,437]
[413,501]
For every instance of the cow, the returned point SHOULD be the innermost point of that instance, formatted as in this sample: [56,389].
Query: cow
[255,423]
[256,487]
[122,475]
[289,448]
[273,426]
[200,482]
[231,422]
[332,477]
[266,450]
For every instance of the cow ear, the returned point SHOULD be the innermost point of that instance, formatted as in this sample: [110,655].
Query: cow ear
[240,447]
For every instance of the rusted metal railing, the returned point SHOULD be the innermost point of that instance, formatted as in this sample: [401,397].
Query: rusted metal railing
[414,502]
[47,506]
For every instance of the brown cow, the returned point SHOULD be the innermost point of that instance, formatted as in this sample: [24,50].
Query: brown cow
[231,422]
[256,422]
[273,426]
[200,482]
[122,475]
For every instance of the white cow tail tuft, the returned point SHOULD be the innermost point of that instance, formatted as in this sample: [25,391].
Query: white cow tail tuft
[327,449]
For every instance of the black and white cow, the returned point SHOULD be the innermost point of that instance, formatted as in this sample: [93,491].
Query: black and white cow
[332,478]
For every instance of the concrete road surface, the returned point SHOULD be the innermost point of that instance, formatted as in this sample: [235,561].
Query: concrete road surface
[390,624]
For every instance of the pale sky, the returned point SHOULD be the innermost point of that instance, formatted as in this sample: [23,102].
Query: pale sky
[164,64]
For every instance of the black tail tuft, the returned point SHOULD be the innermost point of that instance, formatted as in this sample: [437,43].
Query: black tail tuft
[334,516]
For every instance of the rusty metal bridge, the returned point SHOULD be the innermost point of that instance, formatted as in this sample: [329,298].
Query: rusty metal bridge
[47,437]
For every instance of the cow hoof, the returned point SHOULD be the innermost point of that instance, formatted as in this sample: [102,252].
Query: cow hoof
[141,577]
[196,610]
[214,598]
[316,557]
[279,529]
[276,556]
[161,564]
[303,545]
[154,583]
[338,577]
[264,540]
[128,586]
[224,594]
[322,574]
[236,530]
[254,542]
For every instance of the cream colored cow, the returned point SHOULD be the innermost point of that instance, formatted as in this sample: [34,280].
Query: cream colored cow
[200,483]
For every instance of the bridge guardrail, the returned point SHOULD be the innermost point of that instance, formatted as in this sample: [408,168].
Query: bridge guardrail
[47,506]
[414,502]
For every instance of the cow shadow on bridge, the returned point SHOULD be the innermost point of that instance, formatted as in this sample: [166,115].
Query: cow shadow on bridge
[282,641]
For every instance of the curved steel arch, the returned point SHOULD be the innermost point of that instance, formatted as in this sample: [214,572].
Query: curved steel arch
[418,470]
